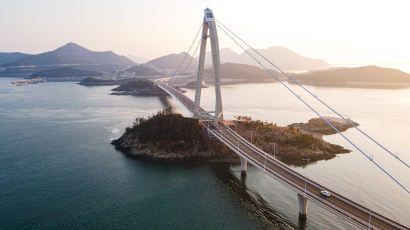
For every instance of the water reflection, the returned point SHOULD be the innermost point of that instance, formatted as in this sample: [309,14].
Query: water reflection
[165,102]
[302,223]
[253,202]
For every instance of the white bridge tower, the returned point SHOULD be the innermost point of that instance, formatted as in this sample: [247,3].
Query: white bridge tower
[209,26]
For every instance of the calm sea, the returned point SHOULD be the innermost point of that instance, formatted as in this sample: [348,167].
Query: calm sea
[59,171]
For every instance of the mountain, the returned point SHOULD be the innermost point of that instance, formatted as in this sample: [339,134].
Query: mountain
[65,72]
[280,56]
[9,57]
[362,77]
[142,70]
[171,62]
[227,55]
[71,54]
[136,59]
[288,60]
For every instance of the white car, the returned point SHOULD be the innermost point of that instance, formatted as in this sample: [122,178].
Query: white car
[325,193]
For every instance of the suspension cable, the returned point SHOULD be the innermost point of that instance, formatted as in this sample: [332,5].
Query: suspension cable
[190,47]
[313,110]
[317,98]
[192,57]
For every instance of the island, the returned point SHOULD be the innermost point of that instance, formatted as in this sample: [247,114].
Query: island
[358,77]
[169,137]
[139,87]
[92,81]
[318,127]
[142,70]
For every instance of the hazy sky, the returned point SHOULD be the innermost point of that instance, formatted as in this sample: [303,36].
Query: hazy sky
[340,32]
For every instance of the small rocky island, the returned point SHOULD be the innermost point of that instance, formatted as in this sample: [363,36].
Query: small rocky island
[318,127]
[169,137]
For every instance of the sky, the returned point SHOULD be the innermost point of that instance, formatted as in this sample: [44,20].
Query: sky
[345,32]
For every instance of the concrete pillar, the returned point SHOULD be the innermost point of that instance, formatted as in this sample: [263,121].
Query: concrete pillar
[201,63]
[209,26]
[244,166]
[213,35]
[303,203]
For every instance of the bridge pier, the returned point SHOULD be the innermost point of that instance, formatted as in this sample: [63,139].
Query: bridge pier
[303,203]
[244,166]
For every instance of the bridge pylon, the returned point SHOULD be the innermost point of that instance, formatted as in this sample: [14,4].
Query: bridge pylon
[209,26]
[303,203]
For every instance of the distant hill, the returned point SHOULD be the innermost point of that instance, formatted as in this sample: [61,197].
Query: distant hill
[142,70]
[65,72]
[227,55]
[9,57]
[136,59]
[71,54]
[239,73]
[289,60]
[171,62]
[366,77]
[280,56]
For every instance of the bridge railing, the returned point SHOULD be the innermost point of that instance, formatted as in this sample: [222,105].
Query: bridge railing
[297,188]
[311,182]
[189,104]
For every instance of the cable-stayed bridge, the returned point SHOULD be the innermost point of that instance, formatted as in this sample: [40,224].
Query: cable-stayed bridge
[305,188]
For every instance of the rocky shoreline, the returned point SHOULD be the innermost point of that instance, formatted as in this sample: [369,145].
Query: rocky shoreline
[291,144]
[318,127]
[148,153]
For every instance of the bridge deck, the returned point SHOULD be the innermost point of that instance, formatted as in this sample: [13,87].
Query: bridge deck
[336,203]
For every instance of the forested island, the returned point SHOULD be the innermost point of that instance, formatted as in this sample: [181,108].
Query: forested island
[169,137]
[139,87]
[92,81]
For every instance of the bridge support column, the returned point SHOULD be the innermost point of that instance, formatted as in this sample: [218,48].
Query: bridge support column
[209,26]
[244,166]
[303,203]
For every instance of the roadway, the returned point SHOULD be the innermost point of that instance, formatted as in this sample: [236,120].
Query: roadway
[336,203]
